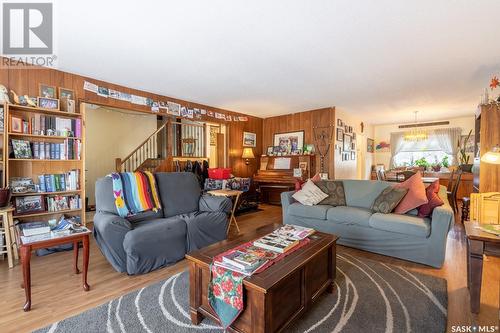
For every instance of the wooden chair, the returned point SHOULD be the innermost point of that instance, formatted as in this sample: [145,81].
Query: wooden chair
[381,175]
[452,195]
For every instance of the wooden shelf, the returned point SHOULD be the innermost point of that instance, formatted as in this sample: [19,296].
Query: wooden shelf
[42,136]
[38,160]
[49,213]
[45,111]
[45,193]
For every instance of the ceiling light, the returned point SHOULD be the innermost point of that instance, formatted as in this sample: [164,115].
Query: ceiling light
[416,133]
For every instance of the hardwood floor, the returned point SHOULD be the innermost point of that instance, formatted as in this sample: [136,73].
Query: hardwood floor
[57,293]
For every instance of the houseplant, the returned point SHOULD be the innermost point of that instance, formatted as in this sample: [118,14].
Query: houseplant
[463,158]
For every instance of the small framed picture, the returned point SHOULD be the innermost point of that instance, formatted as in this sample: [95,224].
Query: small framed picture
[353,146]
[46,91]
[249,139]
[347,142]
[65,93]
[323,176]
[29,204]
[339,122]
[303,165]
[297,173]
[353,155]
[354,136]
[21,149]
[269,150]
[340,134]
[48,103]
[68,105]
[16,124]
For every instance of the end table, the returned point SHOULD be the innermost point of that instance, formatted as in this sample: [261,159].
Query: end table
[28,244]
[229,194]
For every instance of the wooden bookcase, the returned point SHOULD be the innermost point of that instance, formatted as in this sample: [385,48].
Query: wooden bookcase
[32,168]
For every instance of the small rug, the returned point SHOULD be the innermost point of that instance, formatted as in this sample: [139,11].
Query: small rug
[370,297]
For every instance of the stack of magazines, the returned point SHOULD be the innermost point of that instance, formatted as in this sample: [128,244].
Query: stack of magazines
[283,239]
[246,261]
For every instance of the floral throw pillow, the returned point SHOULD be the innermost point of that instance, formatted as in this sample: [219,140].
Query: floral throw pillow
[335,191]
[388,199]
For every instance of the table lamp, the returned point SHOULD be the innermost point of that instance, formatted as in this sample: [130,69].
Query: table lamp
[247,155]
[493,156]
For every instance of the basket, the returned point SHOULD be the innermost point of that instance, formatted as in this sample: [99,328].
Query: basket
[219,173]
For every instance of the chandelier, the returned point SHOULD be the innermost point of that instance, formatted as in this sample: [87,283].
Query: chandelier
[416,133]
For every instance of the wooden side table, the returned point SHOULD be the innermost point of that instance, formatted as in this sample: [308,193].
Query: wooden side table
[229,194]
[479,243]
[8,230]
[28,244]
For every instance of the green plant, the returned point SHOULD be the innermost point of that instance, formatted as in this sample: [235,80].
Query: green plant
[422,162]
[462,155]
[445,161]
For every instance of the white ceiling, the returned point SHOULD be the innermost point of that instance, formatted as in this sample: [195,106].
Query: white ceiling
[378,59]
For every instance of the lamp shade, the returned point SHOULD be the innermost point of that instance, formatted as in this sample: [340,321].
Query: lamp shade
[492,157]
[247,153]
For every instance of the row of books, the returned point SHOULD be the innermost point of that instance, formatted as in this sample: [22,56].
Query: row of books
[70,149]
[69,181]
[63,202]
[249,260]
[41,124]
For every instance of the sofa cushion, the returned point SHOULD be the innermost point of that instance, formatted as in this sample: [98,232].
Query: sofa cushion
[402,224]
[179,192]
[362,193]
[310,194]
[349,215]
[388,199]
[335,191]
[434,200]
[313,212]
[415,196]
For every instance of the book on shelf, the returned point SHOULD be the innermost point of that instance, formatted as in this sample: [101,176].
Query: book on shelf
[34,228]
[63,202]
[68,181]
[41,124]
[70,149]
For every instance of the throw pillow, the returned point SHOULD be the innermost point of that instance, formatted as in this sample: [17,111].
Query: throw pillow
[299,183]
[310,194]
[335,191]
[388,199]
[434,200]
[416,194]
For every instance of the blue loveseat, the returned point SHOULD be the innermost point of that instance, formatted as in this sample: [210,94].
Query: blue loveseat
[409,237]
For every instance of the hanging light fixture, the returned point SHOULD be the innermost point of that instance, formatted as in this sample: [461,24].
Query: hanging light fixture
[416,133]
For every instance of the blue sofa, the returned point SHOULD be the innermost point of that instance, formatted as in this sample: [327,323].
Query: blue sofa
[409,237]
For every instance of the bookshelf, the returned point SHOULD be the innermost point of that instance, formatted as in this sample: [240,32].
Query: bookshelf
[57,158]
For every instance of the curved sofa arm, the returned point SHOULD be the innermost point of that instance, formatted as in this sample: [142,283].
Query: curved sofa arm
[109,232]
[211,203]
[286,200]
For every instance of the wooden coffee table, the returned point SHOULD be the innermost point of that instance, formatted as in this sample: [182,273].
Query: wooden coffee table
[278,295]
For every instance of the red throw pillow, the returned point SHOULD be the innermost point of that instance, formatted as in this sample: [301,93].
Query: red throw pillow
[415,197]
[434,200]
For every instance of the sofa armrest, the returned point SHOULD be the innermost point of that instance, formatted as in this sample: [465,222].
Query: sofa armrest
[109,233]
[286,200]
[211,203]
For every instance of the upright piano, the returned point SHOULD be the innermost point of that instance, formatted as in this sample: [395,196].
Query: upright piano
[276,175]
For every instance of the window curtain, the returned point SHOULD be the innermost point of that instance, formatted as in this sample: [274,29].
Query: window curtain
[447,139]
[397,142]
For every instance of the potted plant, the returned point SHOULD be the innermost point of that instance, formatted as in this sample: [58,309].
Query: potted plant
[436,167]
[463,158]
[422,163]
[445,162]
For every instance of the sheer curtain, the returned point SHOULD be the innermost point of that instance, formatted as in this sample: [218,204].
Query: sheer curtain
[447,139]
[397,142]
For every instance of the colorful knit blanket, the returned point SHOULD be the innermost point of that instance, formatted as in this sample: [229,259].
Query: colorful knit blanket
[225,290]
[135,192]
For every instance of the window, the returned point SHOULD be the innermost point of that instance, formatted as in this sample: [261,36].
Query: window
[430,150]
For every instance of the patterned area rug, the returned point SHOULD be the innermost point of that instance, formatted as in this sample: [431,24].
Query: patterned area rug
[370,297]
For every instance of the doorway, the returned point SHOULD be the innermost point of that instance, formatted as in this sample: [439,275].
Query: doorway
[361,156]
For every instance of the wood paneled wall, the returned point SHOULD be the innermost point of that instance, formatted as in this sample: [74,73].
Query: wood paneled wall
[489,174]
[25,80]
[305,121]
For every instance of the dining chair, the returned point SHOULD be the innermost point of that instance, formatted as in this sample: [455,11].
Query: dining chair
[452,196]
[380,175]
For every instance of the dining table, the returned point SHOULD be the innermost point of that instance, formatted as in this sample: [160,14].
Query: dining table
[425,180]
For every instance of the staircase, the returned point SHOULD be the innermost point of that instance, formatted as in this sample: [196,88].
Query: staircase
[185,139]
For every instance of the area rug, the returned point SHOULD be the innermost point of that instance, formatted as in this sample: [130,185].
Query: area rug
[370,297]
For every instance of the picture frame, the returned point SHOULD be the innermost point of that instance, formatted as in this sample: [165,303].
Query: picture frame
[354,136]
[269,150]
[29,204]
[48,103]
[67,105]
[249,139]
[353,145]
[21,149]
[370,145]
[289,141]
[47,91]
[65,93]
[16,124]
[347,139]
[339,122]
[303,165]
[340,134]
[353,155]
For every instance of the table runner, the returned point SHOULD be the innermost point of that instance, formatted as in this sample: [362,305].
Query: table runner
[225,290]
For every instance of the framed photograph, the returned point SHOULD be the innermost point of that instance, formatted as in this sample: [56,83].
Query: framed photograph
[269,150]
[44,90]
[353,155]
[370,145]
[29,204]
[249,139]
[276,150]
[21,149]
[68,105]
[339,122]
[347,142]
[323,176]
[354,136]
[289,141]
[174,108]
[16,124]
[297,172]
[340,134]
[353,145]
[303,165]
[65,93]
[48,103]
